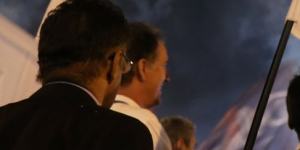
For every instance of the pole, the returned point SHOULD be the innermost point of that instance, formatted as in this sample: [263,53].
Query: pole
[268,86]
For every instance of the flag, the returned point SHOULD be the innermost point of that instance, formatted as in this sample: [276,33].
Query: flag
[18,57]
[294,15]
[18,67]
[274,134]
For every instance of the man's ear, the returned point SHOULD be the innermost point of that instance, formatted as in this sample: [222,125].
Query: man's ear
[113,66]
[180,143]
[142,69]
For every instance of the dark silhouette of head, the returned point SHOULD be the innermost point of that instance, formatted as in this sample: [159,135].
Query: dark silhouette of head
[293,104]
[181,132]
[77,37]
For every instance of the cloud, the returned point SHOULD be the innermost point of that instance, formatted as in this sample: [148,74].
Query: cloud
[148,10]
[25,13]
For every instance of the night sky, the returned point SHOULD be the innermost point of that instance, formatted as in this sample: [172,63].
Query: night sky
[217,49]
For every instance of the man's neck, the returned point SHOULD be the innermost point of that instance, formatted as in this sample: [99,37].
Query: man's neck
[133,93]
[76,85]
[97,88]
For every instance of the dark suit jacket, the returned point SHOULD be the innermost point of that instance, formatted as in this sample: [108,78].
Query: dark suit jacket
[64,117]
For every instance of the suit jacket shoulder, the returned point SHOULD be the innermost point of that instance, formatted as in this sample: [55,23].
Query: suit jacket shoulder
[65,117]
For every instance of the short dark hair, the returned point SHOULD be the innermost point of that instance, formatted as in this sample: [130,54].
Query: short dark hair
[79,31]
[178,127]
[293,104]
[143,43]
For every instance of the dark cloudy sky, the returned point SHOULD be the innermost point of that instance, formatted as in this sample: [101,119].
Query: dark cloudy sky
[217,49]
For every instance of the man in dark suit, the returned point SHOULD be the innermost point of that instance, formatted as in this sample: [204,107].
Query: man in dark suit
[81,58]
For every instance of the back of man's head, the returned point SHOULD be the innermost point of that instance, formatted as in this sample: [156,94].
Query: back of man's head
[181,132]
[293,104]
[144,40]
[79,32]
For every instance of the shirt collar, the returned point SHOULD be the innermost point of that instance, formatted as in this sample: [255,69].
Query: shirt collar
[78,86]
[126,100]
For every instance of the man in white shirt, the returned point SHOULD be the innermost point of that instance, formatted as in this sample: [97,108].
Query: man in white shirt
[141,86]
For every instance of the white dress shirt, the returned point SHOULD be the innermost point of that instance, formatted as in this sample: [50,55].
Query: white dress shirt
[129,107]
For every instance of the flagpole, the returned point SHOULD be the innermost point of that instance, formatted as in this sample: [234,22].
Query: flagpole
[268,86]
